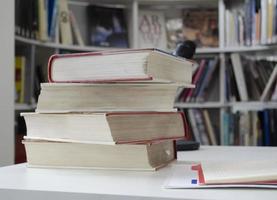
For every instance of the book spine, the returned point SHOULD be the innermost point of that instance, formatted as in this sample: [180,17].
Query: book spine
[239,75]
[65,28]
[263,21]
[42,17]
[195,78]
[266,127]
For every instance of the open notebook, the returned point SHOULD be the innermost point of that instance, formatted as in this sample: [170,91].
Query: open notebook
[250,174]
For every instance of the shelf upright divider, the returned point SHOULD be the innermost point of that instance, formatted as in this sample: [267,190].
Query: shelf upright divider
[221,23]
[7,82]
[134,24]
[222,96]
[33,74]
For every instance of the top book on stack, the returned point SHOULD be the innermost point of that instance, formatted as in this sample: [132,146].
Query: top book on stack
[135,65]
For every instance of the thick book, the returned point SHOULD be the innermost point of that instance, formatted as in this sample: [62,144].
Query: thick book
[120,127]
[76,97]
[119,65]
[150,156]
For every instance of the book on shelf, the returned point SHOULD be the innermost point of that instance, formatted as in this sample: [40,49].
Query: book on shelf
[22,78]
[149,156]
[121,65]
[64,23]
[209,127]
[77,36]
[268,89]
[107,26]
[110,127]
[151,29]
[76,97]
[239,76]
[20,65]
[42,20]
[52,18]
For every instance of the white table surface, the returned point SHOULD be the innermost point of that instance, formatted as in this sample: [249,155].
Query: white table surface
[20,182]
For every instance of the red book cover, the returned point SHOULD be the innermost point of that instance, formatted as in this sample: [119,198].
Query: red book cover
[188,94]
[128,76]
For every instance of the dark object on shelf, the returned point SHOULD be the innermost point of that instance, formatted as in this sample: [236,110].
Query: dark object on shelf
[107,26]
[187,145]
[185,49]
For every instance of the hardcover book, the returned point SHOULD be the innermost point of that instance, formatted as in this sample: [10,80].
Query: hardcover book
[118,127]
[121,65]
[150,156]
[76,97]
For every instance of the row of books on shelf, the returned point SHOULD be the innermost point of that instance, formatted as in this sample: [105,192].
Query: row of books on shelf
[47,20]
[255,128]
[250,79]
[245,128]
[251,22]
[205,77]
[107,26]
[246,79]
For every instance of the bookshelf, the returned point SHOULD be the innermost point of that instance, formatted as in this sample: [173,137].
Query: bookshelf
[133,8]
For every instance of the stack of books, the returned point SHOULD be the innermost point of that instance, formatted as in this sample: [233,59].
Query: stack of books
[109,109]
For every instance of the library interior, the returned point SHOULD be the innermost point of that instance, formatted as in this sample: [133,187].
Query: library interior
[138,99]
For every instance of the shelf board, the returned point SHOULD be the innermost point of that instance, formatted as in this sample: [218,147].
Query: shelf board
[249,105]
[62,46]
[252,105]
[24,106]
[199,105]
[94,48]
[235,49]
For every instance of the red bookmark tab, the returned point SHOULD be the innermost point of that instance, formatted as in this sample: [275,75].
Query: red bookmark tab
[198,168]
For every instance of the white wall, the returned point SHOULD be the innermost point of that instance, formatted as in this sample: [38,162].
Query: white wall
[6,82]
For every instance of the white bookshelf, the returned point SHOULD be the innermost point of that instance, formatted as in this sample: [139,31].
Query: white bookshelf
[222,51]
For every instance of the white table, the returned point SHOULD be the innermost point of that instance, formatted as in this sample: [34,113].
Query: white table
[20,182]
